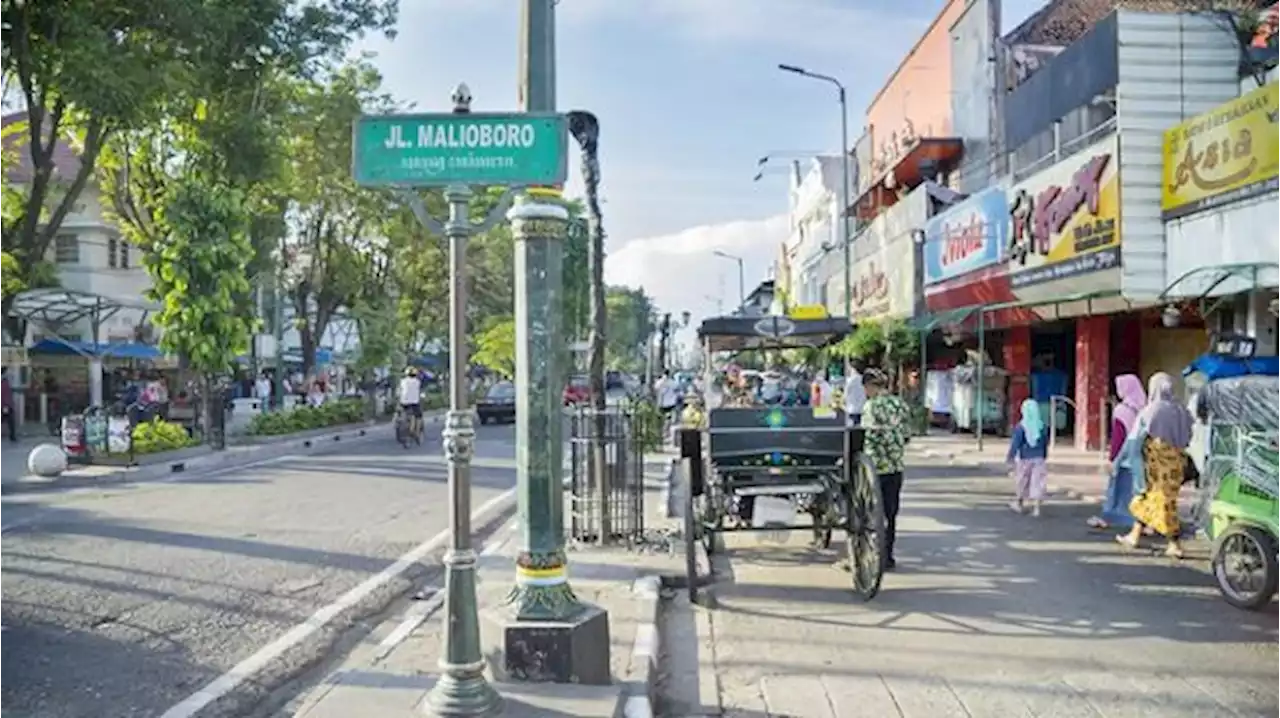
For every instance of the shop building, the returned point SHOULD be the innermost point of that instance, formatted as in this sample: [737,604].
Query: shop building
[1219,200]
[815,229]
[1067,282]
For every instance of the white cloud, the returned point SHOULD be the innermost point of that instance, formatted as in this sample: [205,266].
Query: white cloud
[681,272]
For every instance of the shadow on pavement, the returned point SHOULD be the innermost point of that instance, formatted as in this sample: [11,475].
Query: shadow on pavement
[75,676]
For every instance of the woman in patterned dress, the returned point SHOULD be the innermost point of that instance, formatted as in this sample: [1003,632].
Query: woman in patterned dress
[1168,425]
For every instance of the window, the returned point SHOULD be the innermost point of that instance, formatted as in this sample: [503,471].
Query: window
[117,253]
[66,249]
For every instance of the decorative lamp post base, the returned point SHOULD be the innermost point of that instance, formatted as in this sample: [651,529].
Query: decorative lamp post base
[470,696]
[570,650]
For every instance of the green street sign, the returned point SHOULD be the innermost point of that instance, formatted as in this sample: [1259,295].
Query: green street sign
[515,149]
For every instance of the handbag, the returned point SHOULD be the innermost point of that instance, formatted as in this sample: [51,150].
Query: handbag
[1190,473]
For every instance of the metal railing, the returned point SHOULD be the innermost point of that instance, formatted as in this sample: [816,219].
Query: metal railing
[1063,151]
[606,476]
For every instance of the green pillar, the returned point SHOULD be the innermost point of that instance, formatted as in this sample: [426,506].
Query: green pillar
[542,592]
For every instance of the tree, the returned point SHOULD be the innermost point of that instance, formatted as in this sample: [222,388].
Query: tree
[496,347]
[890,344]
[195,273]
[577,279]
[630,324]
[83,70]
[331,221]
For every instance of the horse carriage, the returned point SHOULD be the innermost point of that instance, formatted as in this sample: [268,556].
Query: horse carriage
[805,456]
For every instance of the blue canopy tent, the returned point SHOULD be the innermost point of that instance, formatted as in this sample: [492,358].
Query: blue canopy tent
[101,350]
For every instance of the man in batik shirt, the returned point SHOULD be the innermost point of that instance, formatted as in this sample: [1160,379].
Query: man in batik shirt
[887,421]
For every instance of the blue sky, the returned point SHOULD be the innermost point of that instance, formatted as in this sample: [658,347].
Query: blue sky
[688,97]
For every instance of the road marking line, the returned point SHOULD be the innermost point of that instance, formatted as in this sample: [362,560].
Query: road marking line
[420,611]
[244,670]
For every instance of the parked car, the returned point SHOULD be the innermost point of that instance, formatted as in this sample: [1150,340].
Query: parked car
[577,391]
[498,405]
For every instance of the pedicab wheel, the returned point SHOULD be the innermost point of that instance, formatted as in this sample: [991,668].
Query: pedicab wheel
[1245,566]
[690,524]
[865,529]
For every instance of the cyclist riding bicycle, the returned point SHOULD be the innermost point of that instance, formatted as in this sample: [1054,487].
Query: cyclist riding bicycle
[410,397]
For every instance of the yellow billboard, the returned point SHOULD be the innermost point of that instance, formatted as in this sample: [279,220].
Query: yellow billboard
[1224,155]
[1065,220]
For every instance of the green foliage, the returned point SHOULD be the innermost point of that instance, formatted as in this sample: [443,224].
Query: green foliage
[890,343]
[197,270]
[496,347]
[646,422]
[11,280]
[307,418]
[629,324]
[577,275]
[157,435]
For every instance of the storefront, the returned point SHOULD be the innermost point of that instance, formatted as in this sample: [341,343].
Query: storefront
[1043,257]
[884,261]
[1219,201]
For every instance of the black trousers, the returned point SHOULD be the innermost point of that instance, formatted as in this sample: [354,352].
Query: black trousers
[891,488]
[11,424]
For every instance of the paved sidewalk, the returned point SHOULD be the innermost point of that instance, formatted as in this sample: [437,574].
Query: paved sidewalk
[392,668]
[1072,473]
[990,615]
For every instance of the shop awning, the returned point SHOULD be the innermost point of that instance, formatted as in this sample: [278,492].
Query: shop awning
[950,317]
[56,306]
[1216,276]
[102,350]
[940,153]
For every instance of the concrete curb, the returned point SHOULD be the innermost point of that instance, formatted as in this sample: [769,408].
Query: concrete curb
[234,457]
[635,698]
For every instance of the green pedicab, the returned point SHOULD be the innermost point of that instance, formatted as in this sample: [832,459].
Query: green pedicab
[1239,414]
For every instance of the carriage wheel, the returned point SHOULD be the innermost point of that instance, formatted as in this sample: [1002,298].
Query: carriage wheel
[690,524]
[865,528]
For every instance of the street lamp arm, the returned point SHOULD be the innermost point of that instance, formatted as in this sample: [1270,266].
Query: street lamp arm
[815,75]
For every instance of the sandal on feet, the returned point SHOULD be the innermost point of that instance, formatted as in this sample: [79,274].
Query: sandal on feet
[1015,507]
[1174,552]
[1124,540]
[1096,522]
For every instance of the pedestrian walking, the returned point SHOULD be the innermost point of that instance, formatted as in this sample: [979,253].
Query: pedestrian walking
[10,419]
[1168,427]
[1027,457]
[1120,474]
[855,396]
[887,421]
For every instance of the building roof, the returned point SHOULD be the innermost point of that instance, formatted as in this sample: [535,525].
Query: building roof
[1061,22]
[66,162]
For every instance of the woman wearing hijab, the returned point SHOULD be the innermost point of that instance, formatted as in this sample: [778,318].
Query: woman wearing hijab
[1028,452]
[1124,428]
[1168,427]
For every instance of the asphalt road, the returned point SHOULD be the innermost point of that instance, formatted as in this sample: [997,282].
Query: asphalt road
[124,602]
[990,615]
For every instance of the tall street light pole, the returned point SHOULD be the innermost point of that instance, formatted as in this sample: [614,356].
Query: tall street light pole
[742,277]
[844,178]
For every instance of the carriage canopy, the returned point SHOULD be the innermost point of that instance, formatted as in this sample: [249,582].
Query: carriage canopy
[724,334]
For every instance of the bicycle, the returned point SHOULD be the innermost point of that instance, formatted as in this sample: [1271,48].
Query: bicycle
[408,427]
